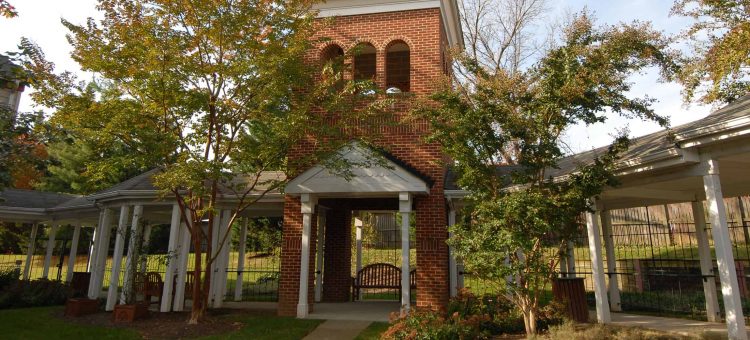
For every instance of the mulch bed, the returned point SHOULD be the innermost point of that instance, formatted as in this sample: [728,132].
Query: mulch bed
[171,325]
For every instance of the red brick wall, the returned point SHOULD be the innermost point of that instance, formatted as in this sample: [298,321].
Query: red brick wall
[422,31]
[337,280]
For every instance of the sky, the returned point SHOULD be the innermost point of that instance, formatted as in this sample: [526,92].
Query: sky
[39,20]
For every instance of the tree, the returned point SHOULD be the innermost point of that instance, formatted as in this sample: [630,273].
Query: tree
[516,210]
[215,92]
[718,68]
[7,10]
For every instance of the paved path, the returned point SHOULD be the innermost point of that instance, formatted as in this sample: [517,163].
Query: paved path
[680,326]
[338,330]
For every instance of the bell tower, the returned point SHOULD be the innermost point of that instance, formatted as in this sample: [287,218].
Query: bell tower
[403,46]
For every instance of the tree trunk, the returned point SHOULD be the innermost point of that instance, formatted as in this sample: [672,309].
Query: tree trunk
[198,309]
[529,319]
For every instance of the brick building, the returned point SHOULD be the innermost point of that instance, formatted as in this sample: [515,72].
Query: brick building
[403,47]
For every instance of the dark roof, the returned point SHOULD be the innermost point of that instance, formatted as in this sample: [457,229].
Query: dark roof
[33,199]
[406,166]
[8,70]
[640,147]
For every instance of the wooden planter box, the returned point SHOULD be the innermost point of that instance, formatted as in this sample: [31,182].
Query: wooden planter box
[130,313]
[571,292]
[81,307]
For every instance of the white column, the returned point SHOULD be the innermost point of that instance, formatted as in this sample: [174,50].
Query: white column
[94,244]
[452,264]
[241,260]
[723,244]
[597,268]
[131,264]
[222,260]
[213,255]
[100,255]
[30,252]
[706,262]
[571,259]
[184,252]
[169,275]
[358,242]
[319,249]
[73,253]
[404,207]
[146,239]
[308,209]
[609,246]
[114,277]
[50,248]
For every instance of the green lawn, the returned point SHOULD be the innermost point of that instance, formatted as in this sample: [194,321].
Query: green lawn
[39,323]
[373,331]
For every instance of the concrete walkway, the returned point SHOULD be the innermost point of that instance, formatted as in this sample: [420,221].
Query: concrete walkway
[338,330]
[673,325]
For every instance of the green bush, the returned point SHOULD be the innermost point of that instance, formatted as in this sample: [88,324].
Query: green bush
[8,277]
[429,325]
[34,293]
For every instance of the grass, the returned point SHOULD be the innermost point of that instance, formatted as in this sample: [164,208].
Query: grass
[373,331]
[270,327]
[38,323]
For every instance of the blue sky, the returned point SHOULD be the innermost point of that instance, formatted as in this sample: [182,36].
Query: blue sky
[39,20]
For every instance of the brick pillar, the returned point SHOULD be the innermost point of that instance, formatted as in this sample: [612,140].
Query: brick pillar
[337,277]
[433,289]
[290,258]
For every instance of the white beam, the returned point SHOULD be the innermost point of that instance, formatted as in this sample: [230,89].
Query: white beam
[597,268]
[94,245]
[169,276]
[50,248]
[706,263]
[241,260]
[723,245]
[214,251]
[571,259]
[222,259]
[146,239]
[404,207]
[114,277]
[308,209]
[609,246]
[30,252]
[131,264]
[73,253]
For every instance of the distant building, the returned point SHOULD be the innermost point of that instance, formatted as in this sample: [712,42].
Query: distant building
[11,86]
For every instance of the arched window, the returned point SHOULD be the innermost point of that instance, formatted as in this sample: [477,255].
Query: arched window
[333,55]
[365,63]
[397,68]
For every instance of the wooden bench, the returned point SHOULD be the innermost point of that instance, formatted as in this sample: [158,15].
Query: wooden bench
[149,284]
[382,276]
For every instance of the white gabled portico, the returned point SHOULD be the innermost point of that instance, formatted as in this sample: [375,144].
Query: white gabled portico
[371,175]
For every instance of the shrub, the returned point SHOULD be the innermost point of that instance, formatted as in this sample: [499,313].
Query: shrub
[8,277]
[470,317]
[34,293]
[571,331]
[429,325]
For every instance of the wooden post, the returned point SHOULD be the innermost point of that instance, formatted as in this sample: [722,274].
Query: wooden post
[50,248]
[706,263]
[100,254]
[30,252]
[609,245]
[183,250]
[131,264]
[169,275]
[308,209]
[241,260]
[114,278]
[404,203]
[723,245]
[73,253]
[597,268]
[320,240]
